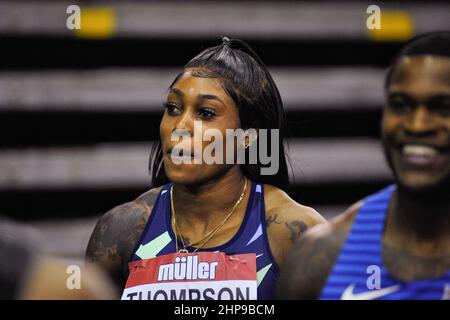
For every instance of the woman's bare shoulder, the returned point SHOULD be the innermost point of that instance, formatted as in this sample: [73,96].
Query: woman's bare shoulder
[140,208]
[117,231]
[286,221]
[147,199]
[280,205]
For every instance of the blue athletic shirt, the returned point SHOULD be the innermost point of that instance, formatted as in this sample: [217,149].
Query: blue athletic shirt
[361,258]
[158,238]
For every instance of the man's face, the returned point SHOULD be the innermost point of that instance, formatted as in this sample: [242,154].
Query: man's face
[416,122]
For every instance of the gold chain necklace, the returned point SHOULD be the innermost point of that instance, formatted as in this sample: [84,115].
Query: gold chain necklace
[203,241]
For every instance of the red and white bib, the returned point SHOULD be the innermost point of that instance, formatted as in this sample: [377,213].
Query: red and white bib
[193,276]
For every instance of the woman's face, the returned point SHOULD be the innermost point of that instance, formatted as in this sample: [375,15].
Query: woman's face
[203,101]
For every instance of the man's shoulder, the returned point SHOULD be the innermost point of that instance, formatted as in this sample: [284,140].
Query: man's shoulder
[312,258]
[333,234]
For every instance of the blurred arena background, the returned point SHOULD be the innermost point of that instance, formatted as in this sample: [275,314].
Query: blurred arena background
[79,109]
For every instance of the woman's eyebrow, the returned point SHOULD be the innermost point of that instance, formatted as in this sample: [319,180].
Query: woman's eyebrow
[176,91]
[210,97]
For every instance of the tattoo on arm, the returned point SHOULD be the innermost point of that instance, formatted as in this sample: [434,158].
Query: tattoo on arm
[272,219]
[296,228]
[114,238]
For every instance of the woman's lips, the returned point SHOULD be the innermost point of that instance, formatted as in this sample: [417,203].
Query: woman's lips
[180,154]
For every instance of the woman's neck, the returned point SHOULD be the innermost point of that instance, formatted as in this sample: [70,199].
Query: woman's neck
[206,205]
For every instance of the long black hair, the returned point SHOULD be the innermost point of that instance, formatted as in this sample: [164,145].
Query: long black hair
[248,82]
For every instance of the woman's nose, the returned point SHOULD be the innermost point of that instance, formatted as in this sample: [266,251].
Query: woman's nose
[184,124]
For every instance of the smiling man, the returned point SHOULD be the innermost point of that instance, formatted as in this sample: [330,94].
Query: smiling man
[394,244]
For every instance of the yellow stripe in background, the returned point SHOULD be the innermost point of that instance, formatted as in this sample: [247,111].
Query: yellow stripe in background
[97,22]
[395,26]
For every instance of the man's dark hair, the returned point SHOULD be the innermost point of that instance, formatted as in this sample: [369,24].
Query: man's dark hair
[433,43]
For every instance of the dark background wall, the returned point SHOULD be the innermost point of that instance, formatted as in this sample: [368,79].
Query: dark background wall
[78,110]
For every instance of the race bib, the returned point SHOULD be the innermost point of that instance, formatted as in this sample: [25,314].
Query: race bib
[193,276]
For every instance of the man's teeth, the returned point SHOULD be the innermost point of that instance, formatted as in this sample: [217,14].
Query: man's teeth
[419,150]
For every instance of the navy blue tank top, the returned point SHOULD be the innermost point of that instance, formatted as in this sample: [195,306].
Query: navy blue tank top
[158,238]
[360,260]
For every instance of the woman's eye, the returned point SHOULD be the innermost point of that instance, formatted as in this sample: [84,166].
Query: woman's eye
[206,113]
[172,109]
